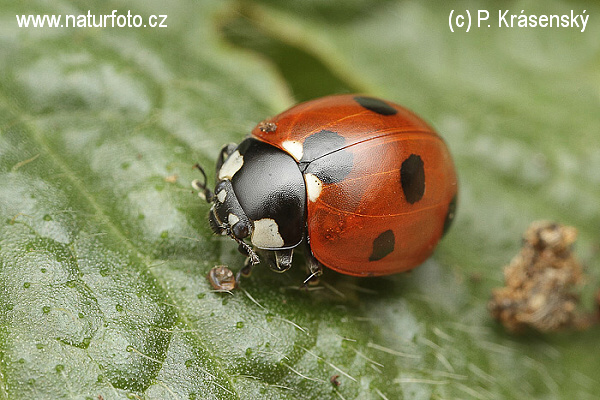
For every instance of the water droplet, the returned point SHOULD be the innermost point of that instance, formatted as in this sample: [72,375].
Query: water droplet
[201,295]
[86,342]
[59,368]
[9,306]
[81,315]
[31,382]
[39,346]
[71,284]
[26,285]
[192,396]
[44,270]
[21,361]
[119,307]
[239,324]
[164,234]
[249,352]
[269,317]
[47,217]
[189,363]
[46,309]
[129,348]
[100,379]
[104,271]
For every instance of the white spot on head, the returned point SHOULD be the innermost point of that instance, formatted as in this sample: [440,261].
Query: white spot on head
[231,166]
[294,148]
[222,195]
[232,219]
[313,187]
[266,234]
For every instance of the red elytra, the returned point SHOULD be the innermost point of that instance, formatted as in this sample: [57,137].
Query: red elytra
[381,184]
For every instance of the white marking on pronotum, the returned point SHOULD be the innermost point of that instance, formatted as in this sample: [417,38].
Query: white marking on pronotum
[231,166]
[266,234]
[313,187]
[232,219]
[221,196]
[294,148]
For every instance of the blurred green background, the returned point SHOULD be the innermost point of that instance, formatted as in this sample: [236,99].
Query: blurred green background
[104,249]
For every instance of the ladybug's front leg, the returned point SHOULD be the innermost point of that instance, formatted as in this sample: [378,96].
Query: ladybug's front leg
[280,260]
[251,261]
[224,154]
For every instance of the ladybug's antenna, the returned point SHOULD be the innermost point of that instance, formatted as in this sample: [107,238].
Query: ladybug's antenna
[203,191]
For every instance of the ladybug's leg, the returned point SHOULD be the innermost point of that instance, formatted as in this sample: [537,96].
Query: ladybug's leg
[201,185]
[203,191]
[225,152]
[251,261]
[247,270]
[280,260]
[315,268]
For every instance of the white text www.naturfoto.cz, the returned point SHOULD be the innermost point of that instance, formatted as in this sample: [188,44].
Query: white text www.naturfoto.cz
[90,20]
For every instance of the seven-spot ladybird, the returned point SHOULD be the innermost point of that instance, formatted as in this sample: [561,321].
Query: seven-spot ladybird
[366,185]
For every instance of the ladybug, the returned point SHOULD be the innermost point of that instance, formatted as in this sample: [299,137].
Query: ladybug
[366,186]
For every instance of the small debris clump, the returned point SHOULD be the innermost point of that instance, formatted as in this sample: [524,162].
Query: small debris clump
[540,281]
[222,279]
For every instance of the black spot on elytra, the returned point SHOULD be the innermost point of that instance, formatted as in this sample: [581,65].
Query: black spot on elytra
[321,143]
[325,157]
[331,168]
[412,178]
[450,214]
[375,105]
[383,245]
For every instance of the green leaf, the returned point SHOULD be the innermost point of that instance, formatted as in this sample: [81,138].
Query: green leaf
[104,248]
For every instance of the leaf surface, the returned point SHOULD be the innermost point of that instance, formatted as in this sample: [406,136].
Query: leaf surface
[104,249]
